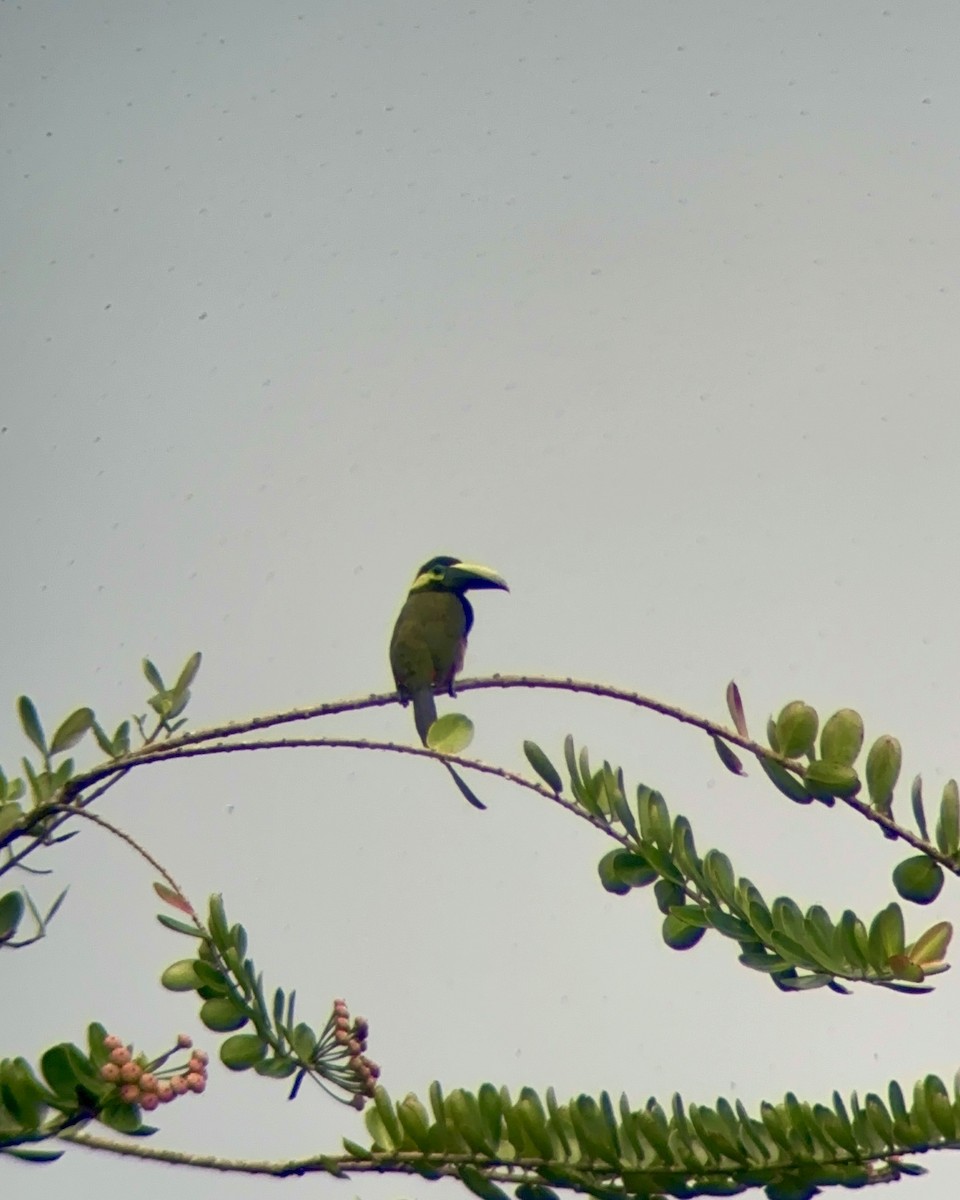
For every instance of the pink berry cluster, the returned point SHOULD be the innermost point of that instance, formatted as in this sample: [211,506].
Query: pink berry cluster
[142,1082]
[348,1064]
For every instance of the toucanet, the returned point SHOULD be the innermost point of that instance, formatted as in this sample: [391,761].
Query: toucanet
[430,637]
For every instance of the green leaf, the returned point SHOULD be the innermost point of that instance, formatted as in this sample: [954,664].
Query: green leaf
[222,1015]
[825,778]
[668,895]
[918,878]
[178,926]
[182,976]
[882,771]
[154,678]
[276,1068]
[479,1184]
[886,934]
[451,733]
[939,1107]
[123,1118]
[931,946]
[785,782]
[10,815]
[678,935]
[916,799]
[64,1067]
[188,674]
[28,1155]
[303,1041]
[11,914]
[72,730]
[797,729]
[842,738]
[609,875]
[121,739]
[621,870]
[719,873]
[31,724]
[105,744]
[242,1051]
[570,757]
[948,823]
[543,766]
[852,943]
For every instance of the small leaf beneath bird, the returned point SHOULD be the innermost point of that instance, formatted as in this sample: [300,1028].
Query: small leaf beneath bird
[450,733]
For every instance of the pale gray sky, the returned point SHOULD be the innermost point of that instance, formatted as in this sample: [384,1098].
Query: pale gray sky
[653,307]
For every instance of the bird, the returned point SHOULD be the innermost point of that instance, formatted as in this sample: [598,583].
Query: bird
[430,638]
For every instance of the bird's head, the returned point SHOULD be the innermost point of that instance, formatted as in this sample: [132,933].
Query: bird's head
[447,574]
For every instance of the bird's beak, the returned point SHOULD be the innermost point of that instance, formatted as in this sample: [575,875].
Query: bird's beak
[463,575]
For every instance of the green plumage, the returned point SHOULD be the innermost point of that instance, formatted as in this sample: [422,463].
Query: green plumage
[430,637]
[426,650]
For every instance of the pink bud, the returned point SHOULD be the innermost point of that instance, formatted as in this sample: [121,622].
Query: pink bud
[120,1055]
[196,1083]
[179,1084]
[150,1101]
[165,1092]
[184,1041]
[112,1042]
[129,1093]
[358,1102]
[110,1072]
[148,1082]
[130,1072]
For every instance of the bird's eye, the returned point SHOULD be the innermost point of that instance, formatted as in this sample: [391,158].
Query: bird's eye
[437,572]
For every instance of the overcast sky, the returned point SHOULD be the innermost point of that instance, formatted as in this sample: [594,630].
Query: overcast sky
[652,307]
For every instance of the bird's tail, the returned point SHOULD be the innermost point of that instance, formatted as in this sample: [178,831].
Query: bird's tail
[424,711]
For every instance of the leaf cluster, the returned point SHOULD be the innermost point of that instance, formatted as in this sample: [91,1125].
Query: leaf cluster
[588,1145]
[71,1092]
[232,996]
[798,950]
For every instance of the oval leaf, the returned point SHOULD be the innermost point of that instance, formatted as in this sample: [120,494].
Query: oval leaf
[825,779]
[72,730]
[797,729]
[918,878]
[948,823]
[222,1015]
[450,733]
[784,782]
[189,673]
[11,914]
[181,976]
[543,766]
[931,945]
[842,737]
[678,935]
[31,723]
[242,1051]
[882,771]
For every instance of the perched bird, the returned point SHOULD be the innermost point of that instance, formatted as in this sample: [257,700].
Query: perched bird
[430,637]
